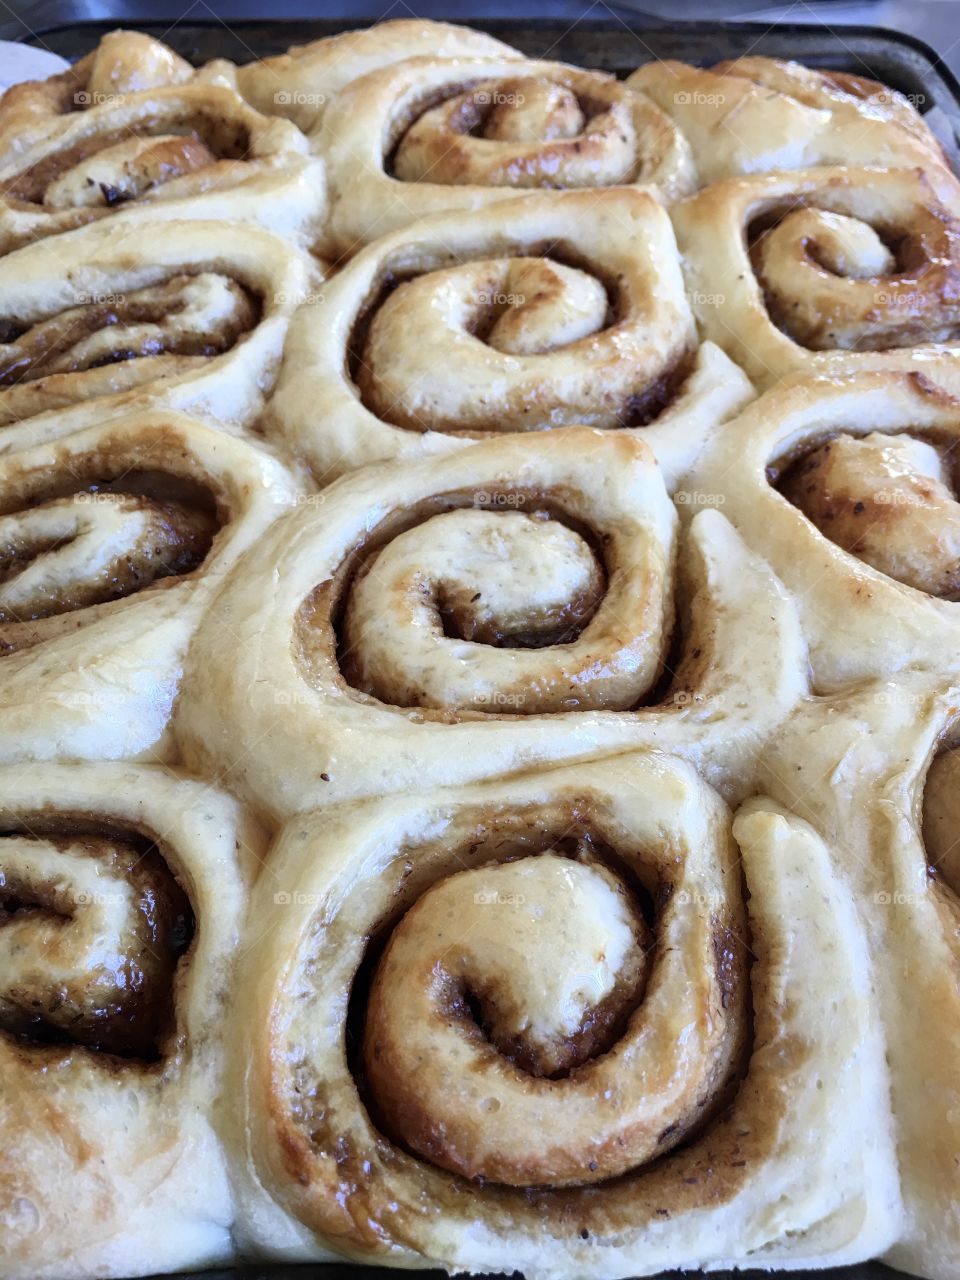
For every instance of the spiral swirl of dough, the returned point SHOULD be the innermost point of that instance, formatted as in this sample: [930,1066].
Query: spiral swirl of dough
[192,314]
[121,892]
[148,154]
[826,271]
[517,1021]
[541,1039]
[111,543]
[90,934]
[541,313]
[506,607]
[429,135]
[848,487]
[465,616]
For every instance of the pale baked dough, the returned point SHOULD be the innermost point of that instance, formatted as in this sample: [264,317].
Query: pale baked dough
[110,1165]
[825,270]
[427,135]
[500,894]
[857,765]
[269,666]
[872,458]
[201,307]
[755,115]
[112,544]
[301,83]
[187,151]
[546,311]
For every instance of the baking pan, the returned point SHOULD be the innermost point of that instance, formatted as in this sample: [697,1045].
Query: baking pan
[619,46]
[610,44]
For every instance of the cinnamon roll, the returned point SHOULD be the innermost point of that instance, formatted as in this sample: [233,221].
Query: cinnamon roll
[112,543]
[848,487]
[429,135]
[190,314]
[121,898]
[470,615]
[300,83]
[124,62]
[826,270]
[535,314]
[753,115]
[529,1024]
[875,768]
[194,151]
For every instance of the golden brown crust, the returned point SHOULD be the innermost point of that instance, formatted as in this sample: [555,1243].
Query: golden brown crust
[825,271]
[756,115]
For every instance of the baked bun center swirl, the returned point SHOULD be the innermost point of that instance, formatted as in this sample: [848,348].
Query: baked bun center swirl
[502,609]
[833,281]
[91,929]
[185,316]
[593,135]
[530,341]
[888,499]
[528,998]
